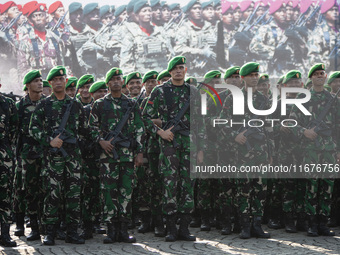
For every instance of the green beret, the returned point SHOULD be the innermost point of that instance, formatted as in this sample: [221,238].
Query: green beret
[231,70]
[249,68]
[190,5]
[153,3]
[46,84]
[292,74]
[89,8]
[31,75]
[319,66]
[174,6]
[163,74]
[217,3]
[150,75]
[263,78]
[72,82]
[85,79]
[139,5]
[211,75]
[191,80]
[130,6]
[124,78]
[206,4]
[178,60]
[120,10]
[113,72]
[333,76]
[97,85]
[24,88]
[133,75]
[56,71]
[164,3]
[104,10]
[75,6]
[281,79]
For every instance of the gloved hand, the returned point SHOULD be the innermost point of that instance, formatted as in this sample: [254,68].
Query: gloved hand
[281,53]
[90,46]
[243,38]
[294,35]
[235,53]
[303,31]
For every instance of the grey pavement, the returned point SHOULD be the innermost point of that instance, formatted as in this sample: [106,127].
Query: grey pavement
[207,243]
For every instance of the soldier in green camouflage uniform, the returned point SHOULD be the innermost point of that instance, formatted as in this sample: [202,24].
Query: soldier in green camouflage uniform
[62,175]
[71,86]
[84,83]
[8,125]
[318,148]
[164,103]
[117,175]
[251,193]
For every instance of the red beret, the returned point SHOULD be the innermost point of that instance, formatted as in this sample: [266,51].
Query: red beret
[305,4]
[327,5]
[225,6]
[293,3]
[7,5]
[244,5]
[36,7]
[235,5]
[275,5]
[53,7]
[28,6]
[19,7]
[261,3]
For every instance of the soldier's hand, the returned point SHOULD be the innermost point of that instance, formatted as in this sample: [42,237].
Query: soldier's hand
[139,159]
[310,134]
[200,157]
[240,138]
[285,130]
[166,134]
[106,145]
[157,122]
[56,142]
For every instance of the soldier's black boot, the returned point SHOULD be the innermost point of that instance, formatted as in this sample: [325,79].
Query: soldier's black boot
[245,226]
[123,233]
[323,230]
[195,219]
[256,228]
[50,235]
[171,228]
[301,222]
[290,223]
[205,217]
[111,233]
[226,225]
[72,235]
[312,226]
[237,223]
[146,220]
[35,234]
[98,229]
[159,226]
[60,231]
[20,228]
[183,231]
[87,230]
[6,239]
[274,221]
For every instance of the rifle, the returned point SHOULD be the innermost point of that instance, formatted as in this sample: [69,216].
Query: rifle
[12,23]
[177,123]
[257,20]
[172,21]
[117,135]
[60,21]
[12,96]
[319,125]
[64,134]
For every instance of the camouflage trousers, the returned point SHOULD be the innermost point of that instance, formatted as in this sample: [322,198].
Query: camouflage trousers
[5,190]
[293,195]
[178,186]
[19,203]
[156,184]
[319,191]
[226,195]
[62,185]
[91,195]
[208,194]
[143,188]
[117,183]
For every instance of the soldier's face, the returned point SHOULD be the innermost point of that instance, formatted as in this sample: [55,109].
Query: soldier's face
[164,79]
[106,19]
[228,18]
[234,79]
[332,14]
[289,13]
[296,14]
[93,18]
[260,11]
[318,78]
[38,19]
[122,16]
[175,13]
[237,14]
[208,13]
[135,86]
[71,91]
[280,16]
[166,14]
[58,83]
[116,83]
[144,15]
[99,94]
[84,91]
[35,86]
[335,85]
[247,12]
[251,79]
[125,91]
[47,91]
[195,12]
[156,13]
[76,18]
[13,12]
[149,85]
[59,12]
[263,87]
[178,72]
[218,12]
[294,83]
[3,18]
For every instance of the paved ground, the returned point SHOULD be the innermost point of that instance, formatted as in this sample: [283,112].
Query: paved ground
[207,243]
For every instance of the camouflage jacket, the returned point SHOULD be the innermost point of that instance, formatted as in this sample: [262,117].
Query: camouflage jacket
[106,114]
[144,52]
[63,31]
[315,105]
[47,117]
[78,38]
[167,96]
[28,147]
[8,128]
